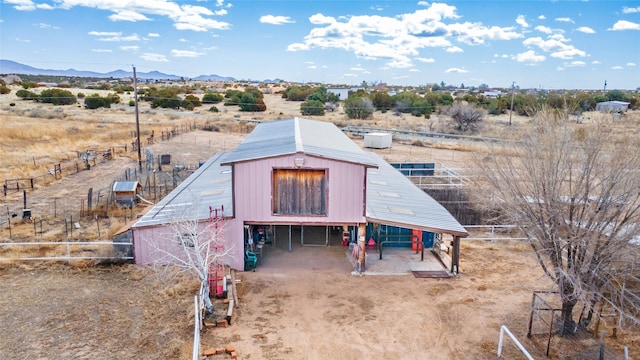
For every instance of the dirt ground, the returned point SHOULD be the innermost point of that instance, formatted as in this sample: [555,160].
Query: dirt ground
[305,304]
[300,305]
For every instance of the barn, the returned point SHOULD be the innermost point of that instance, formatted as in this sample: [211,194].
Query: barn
[298,181]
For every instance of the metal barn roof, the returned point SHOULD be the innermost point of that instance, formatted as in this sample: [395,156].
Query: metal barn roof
[290,136]
[392,199]
[209,185]
[119,186]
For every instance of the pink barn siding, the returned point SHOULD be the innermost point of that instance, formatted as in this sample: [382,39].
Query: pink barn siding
[150,242]
[345,188]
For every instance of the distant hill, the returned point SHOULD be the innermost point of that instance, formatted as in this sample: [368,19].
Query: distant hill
[11,67]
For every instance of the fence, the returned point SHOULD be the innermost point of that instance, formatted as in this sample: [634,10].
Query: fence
[493,232]
[503,330]
[72,250]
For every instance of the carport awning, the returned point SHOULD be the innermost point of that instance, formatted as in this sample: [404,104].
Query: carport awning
[394,200]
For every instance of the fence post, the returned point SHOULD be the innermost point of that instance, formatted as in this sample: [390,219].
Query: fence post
[68,253]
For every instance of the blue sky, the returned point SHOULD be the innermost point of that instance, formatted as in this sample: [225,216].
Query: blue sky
[536,44]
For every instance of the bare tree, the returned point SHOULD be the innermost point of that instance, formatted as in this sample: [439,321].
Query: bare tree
[575,193]
[467,117]
[194,243]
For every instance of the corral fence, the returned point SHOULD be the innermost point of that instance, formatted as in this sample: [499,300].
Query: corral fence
[66,251]
[544,321]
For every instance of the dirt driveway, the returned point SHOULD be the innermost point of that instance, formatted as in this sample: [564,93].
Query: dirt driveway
[303,304]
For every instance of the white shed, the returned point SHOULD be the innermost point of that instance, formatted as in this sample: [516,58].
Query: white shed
[377,140]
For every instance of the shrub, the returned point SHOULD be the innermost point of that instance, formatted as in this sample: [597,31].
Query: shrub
[214,109]
[312,107]
[358,107]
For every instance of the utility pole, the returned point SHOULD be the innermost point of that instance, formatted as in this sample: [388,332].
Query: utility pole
[604,90]
[512,95]
[135,95]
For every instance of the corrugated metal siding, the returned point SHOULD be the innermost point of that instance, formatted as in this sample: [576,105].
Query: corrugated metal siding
[151,243]
[345,189]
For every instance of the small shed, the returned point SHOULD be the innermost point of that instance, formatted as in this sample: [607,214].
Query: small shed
[612,106]
[377,140]
[125,192]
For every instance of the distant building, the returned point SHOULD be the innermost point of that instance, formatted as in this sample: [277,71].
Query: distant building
[612,106]
[343,93]
[492,94]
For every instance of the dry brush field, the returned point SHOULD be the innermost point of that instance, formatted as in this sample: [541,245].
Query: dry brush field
[300,305]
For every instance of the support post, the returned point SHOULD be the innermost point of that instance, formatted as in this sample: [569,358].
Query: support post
[455,256]
[362,231]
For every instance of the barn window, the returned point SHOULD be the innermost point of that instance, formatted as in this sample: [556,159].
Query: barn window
[186,240]
[299,192]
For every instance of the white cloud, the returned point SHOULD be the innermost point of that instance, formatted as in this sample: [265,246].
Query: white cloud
[276,20]
[616,68]
[27,5]
[319,19]
[414,70]
[23,40]
[185,53]
[586,30]
[559,68]
[454,49]
[575,64]
[397,40]
[184,16]
[312,67]
[118,38]
[153,35]
[349,75]
[595,62]
[631,64]
[556,45]
[102,50]
[544,29]
[529,57]
[47,26]
[357,68]
[624,25]
[426,60]
[456,70]
[565,19]
[522,21]
[130,48]
[542,17]
[126,15]
[154,57]
[104,33]
[628,10]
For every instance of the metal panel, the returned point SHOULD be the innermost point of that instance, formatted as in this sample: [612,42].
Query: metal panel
[290,136]
[412,208]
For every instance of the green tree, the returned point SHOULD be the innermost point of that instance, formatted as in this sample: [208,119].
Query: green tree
[57,97]
[382,100]
[95,101]
[190,102]
[212,98]
[358,107]
[312,107]
[26,94]
[297,93]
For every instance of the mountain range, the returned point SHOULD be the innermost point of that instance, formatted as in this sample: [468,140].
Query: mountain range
[8,67]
